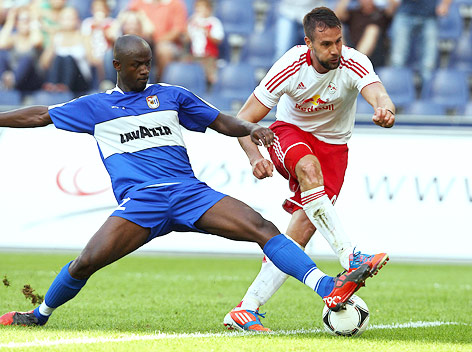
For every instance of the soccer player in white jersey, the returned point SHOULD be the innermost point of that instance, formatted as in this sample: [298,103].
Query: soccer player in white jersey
[138,133]
[315,87]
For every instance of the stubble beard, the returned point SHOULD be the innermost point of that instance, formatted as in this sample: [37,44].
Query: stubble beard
[328,65]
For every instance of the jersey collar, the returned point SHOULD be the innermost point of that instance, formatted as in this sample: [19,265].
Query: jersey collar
[308,57]
[118,89]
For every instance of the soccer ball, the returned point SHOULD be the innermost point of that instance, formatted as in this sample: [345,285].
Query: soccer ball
[351,321]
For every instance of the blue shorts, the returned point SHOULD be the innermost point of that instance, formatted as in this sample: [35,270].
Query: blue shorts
[166,207]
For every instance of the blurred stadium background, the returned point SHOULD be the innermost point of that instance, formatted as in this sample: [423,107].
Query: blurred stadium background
[410,188]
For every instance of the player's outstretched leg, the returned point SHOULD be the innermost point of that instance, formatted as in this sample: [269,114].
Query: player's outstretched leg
[289,258]
[63,289]
[116,238]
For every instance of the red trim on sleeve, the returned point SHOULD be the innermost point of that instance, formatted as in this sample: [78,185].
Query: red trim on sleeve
[370,84]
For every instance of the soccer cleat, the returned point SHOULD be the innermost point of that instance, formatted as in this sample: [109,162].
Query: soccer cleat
[243,319]
[345,284]
[375,261]
[18,318]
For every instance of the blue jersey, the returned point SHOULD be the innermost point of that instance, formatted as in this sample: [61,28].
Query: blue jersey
[138,133]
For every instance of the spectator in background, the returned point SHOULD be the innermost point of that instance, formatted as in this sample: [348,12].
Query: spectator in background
[127,22]
[50,11]
[169,18]
[21,44]
[5,6]
[417,17]
[288,23]
[205,32]
[367,22]
[68,58]
[96,28]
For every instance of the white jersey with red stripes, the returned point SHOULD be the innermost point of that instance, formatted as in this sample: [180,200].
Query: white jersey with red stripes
[323,104]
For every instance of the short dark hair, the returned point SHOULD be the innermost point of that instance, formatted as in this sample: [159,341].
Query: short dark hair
[319,19]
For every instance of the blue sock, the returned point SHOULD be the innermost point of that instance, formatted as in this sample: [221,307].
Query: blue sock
[63,288]
[288,257]
[42,319]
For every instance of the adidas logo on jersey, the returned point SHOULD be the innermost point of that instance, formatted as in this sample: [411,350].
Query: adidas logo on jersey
[301,86]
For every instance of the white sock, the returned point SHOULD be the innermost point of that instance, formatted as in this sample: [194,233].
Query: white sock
[322,214]
[267,282]
[313,279]
[45,310]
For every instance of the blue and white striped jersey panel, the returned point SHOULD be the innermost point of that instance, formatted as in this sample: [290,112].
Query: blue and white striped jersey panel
[138,133]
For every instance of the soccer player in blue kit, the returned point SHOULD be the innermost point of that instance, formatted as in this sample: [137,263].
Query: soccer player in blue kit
[137,129]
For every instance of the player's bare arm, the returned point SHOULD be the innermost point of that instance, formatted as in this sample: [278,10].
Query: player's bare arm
[254,111]
[33,116]
[234,127]
[384,109]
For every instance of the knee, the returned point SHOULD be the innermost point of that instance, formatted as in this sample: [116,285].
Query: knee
[308,171]
[262,230]
[83,266]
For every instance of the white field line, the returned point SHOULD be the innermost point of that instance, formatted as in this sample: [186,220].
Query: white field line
[160,335]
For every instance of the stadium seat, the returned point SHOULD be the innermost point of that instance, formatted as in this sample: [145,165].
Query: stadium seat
[259,49]
[236,81]
[465,8]
[399,83]
[425,107]
[42,97]
[237,16]
[82,6]
[461,56]
[221,102]
[448,87]
[450,26]
[10,97]
[186,74]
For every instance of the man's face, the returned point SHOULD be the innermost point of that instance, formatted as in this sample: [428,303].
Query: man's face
[326,49]
[134,70]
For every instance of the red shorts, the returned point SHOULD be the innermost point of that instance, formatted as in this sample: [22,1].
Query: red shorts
[292,144]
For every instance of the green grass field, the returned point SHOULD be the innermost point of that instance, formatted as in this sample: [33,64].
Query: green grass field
[177,303]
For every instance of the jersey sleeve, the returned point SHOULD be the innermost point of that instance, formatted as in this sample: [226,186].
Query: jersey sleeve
[359,68]
[75,116]
[217,31]
[277,81]
[195,114]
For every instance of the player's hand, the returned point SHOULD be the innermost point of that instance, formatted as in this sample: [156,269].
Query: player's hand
[262,136]
[383,117]
[262,168]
